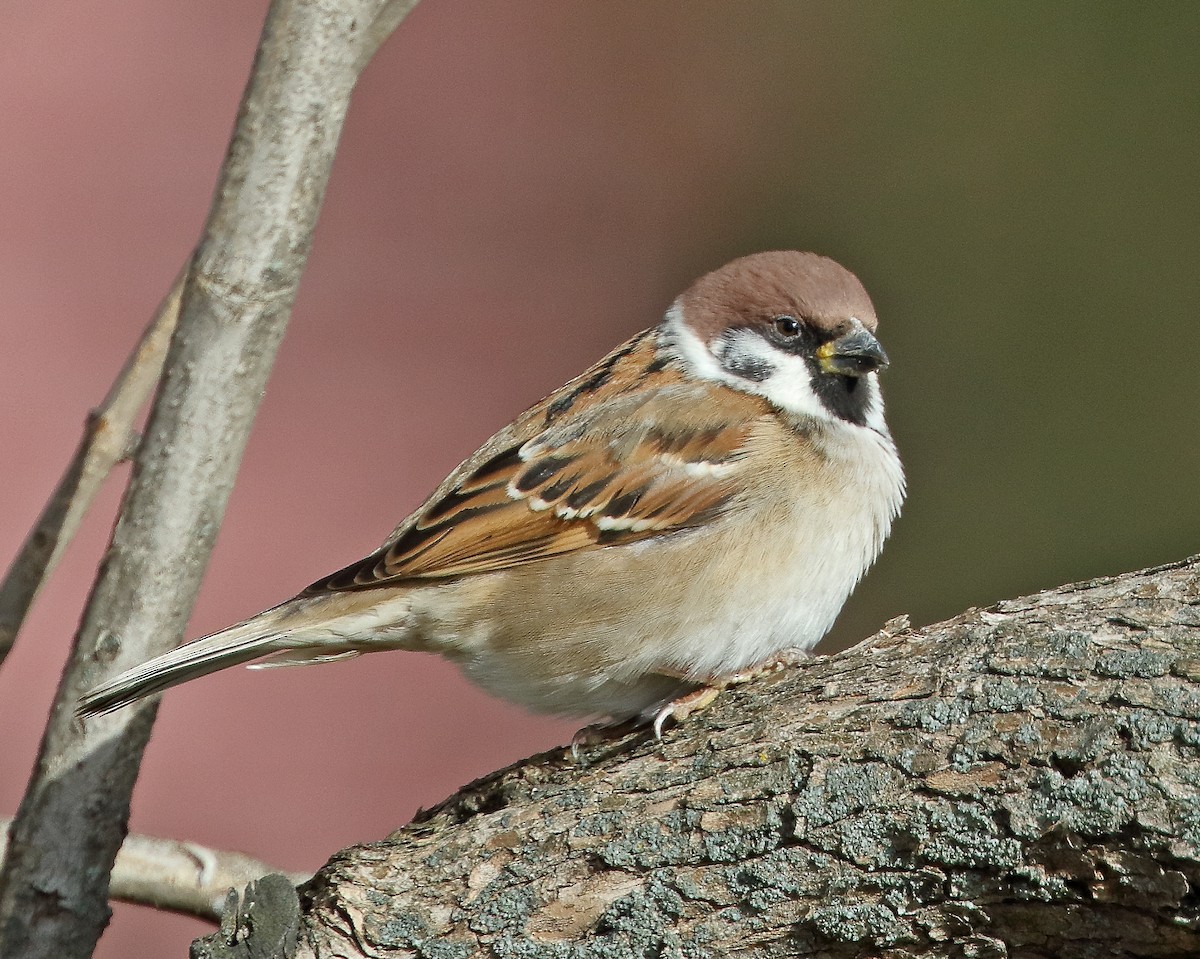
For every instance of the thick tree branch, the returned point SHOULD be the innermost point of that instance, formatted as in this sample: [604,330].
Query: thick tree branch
[235,304]
[177,876]
[1019,781]
[108,438]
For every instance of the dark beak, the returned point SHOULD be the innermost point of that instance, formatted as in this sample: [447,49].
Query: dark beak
[856,353]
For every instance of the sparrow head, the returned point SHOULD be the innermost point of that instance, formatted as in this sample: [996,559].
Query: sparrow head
[795,328]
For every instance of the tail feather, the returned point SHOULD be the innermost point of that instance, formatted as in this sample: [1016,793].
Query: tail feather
[301,631]
[231,647]
[305,657]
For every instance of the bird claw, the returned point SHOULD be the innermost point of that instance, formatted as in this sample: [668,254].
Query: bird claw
[681,708]
[595,733]
[684,706]
[691,702]
[584,737]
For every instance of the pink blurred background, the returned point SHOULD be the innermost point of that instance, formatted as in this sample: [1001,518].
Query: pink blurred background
[520,187]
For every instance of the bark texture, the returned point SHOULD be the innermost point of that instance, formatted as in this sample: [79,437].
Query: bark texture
[1018,781]
[235,304]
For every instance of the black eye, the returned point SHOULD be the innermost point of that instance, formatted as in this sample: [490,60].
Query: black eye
[787,326]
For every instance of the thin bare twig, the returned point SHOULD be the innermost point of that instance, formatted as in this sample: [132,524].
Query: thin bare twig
[108,438]
[235,304]
[177,876]
[386,20]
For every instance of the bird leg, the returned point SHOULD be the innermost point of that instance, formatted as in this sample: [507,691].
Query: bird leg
[697,699]
[706,689]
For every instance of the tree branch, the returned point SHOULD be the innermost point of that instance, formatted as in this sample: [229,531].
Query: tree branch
[235,304]
[177,876]
[1018,781]
[108,438]
[386,20]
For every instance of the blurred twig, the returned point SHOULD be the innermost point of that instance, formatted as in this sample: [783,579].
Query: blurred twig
[234,308]
[178,876]
[108,438]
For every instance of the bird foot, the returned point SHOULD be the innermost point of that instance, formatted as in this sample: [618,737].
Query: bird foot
[784,659]
[694,701]
[597,733]
[682,707]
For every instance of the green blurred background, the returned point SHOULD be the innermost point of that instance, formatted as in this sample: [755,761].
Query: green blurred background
[1018,184]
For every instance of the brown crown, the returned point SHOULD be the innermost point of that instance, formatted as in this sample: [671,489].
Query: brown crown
[759,287]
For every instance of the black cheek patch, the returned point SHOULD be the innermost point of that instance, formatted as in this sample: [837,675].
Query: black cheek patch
[748,367]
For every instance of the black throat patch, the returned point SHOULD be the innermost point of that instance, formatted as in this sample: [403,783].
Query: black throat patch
[846,397]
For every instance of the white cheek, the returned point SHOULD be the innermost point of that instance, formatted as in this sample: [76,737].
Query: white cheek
[789,386]
[789,383]
[691,350]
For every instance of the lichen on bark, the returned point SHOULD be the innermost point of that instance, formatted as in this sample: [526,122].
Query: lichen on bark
[1018,781]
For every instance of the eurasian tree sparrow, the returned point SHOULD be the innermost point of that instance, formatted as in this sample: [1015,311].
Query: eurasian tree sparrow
[703,498]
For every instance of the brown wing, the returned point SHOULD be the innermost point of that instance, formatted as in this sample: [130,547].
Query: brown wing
[637,465]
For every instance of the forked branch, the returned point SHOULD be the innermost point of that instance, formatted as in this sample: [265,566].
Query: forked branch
[233,311]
